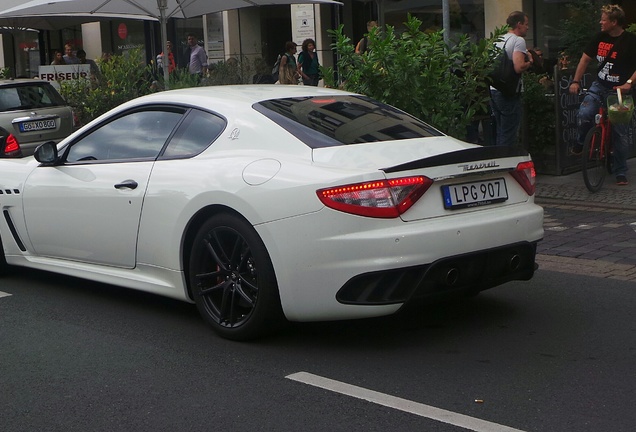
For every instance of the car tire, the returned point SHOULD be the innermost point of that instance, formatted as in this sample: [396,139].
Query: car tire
[4,267]
[232,279]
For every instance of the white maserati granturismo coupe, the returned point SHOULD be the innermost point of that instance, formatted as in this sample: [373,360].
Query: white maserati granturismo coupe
[263,204]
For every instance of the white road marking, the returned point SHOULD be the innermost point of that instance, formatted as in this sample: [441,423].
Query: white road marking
[4,294]
[438,414]
[585,226]
[556,228]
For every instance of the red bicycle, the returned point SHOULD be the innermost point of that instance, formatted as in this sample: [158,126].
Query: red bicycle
[597,152]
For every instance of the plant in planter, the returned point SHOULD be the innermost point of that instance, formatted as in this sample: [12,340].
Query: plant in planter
[579,27]
[417,72]
[539,117]
[123,77]
[540,113]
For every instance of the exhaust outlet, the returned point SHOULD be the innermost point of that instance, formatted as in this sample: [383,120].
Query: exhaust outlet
[514,263]
[452,276]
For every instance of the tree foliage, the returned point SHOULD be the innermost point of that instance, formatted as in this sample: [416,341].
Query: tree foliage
[539,112]
[579,27]
[123,77]
[418,72]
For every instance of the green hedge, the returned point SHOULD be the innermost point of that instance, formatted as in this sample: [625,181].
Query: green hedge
[419,73]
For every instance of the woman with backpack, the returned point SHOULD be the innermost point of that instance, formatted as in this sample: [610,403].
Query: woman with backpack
[308,65]
[288,70]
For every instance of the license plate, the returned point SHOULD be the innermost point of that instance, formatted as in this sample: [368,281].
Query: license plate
[475,194]
[37,125]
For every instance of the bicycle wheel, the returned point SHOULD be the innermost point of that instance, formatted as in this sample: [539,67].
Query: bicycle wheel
[594,161]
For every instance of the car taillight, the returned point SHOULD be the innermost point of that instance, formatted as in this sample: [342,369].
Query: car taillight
[526,176]
[380,199]
[12,147]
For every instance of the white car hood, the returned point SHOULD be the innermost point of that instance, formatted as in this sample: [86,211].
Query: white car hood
[386,154]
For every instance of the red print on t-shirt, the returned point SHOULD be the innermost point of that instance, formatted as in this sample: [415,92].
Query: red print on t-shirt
[604,48]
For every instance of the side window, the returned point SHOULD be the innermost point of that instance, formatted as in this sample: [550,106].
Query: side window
[195,134]
[44,98]
[9,99]
[140,134]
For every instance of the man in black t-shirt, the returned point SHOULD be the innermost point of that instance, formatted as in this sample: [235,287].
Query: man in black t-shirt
[614,50]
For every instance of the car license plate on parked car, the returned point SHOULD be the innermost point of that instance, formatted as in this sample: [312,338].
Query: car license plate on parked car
[474,194]
[37,125]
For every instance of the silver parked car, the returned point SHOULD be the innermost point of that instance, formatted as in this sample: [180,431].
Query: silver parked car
[34,112]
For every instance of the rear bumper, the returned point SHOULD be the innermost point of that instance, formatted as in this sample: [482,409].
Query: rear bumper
[471,272]
[316,256]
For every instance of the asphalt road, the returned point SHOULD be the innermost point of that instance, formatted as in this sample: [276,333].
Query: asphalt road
[553,354]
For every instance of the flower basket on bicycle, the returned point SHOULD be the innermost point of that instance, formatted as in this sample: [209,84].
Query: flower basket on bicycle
[620,113]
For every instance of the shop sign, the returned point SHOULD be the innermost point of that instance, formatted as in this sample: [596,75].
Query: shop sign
[303,23]
[57,73]
[122,31]
[567,108]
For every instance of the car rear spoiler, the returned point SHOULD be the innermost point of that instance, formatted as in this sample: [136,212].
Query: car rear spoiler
[461,156]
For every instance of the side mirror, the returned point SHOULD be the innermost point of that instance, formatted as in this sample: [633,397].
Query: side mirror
[46,153]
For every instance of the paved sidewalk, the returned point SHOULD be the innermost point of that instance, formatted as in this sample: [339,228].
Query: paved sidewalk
[571,189]
[588,233]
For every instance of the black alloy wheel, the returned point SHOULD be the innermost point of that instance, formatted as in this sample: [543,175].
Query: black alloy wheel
[233,280]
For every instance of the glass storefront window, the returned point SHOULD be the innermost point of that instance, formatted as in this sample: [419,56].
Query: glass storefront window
[56,39]
[549,15]
[466,16]
[27,53]
[127,35]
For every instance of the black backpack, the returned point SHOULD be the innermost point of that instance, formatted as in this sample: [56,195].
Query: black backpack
[276,68]
[503,77]
[363,45]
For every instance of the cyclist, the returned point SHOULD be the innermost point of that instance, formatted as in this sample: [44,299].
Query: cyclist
[614,50]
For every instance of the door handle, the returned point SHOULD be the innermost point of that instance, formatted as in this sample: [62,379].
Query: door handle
[127,184]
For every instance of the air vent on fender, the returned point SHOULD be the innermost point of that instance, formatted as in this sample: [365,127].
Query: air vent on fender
[9,191]
[14,232]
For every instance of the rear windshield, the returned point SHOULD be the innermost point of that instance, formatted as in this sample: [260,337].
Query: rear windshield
[343,120]
[29,96]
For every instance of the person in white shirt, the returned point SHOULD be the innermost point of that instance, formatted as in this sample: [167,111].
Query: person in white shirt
[507,110]
[70,57]
[198,63]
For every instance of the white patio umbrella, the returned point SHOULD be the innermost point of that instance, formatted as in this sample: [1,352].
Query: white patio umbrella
[161,10]
[57,22]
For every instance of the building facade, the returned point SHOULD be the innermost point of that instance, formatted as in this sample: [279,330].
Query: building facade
[261,32]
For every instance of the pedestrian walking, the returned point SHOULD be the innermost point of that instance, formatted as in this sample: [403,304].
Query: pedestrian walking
[70,57]
[507,109]
[172,65]
[363,44]
[198,62]
[308,65]
[288,69]
[58,58]
[96,74]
